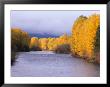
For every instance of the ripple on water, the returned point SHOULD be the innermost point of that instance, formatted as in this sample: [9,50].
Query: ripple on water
[49,64]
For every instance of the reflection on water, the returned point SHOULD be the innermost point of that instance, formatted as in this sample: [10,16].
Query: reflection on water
[49,64]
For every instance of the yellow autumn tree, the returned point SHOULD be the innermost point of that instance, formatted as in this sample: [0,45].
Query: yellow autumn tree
[76,44]
[43,43]
[34,42]
[19,40]
[83,35]
[63,39]
[50,44]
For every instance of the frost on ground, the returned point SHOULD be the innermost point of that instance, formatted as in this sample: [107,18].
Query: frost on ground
[49,64]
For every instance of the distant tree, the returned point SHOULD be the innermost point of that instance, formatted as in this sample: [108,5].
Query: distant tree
[43,43]
[34,44]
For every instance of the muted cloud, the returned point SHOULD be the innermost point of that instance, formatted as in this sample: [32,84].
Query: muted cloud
[56,22]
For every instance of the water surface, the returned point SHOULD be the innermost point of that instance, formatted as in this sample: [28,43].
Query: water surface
[49,64]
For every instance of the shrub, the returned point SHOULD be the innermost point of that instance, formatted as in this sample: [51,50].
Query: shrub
[25,49]
[13,57]
[97,47]
[97,41]
[97,58]
[64,48]
[35,48]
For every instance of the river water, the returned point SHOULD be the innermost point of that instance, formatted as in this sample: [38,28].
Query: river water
[49,64]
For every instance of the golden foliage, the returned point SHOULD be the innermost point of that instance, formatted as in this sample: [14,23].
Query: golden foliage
[43,43]
[34,42]
[20,40]
[83,35]
[83,40]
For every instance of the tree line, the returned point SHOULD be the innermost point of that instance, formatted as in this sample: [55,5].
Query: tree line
[84,41]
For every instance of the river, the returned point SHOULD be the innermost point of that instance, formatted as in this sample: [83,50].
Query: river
[49,64]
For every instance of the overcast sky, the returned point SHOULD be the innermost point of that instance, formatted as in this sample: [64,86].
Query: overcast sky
[55,22]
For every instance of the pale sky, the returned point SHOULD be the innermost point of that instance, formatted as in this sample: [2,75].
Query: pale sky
[55,22]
